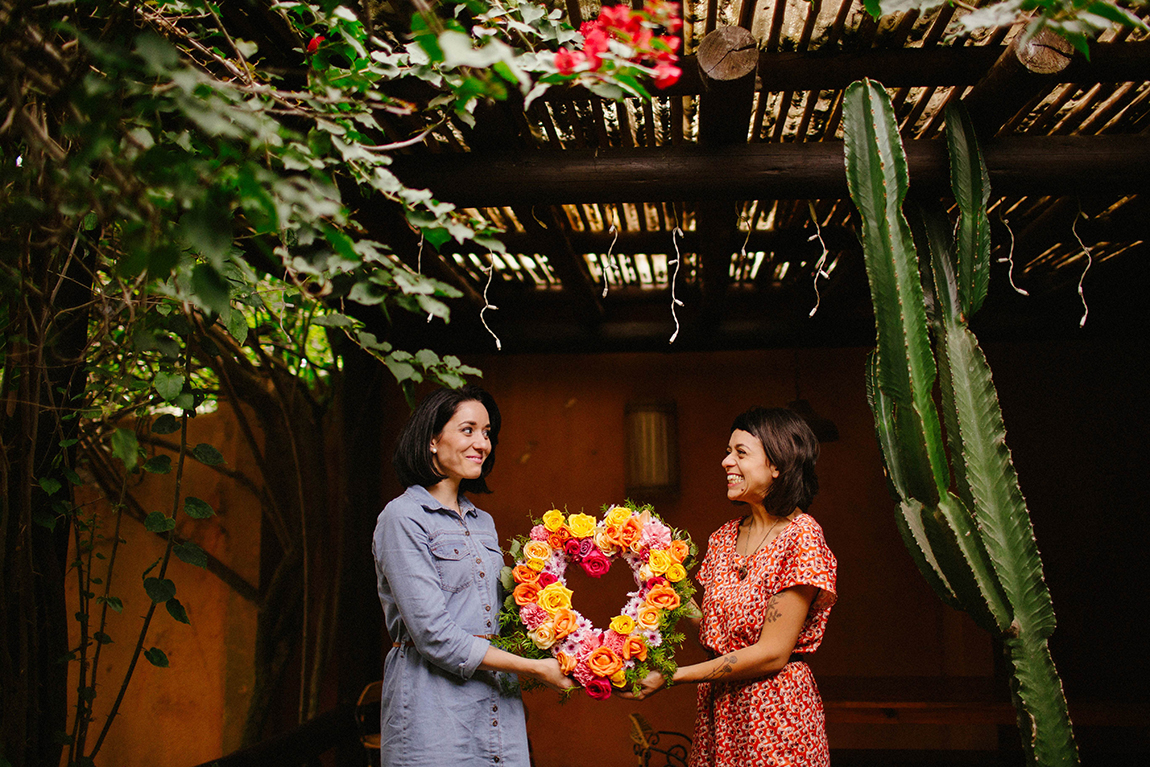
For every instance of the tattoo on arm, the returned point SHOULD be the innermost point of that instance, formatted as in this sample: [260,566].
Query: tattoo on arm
[773,612]
[726,666]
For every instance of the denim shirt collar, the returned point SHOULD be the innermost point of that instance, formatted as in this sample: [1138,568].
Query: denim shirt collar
[424,498]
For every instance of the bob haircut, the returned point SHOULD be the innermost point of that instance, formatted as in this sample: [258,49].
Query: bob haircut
[792,448]
[413,459]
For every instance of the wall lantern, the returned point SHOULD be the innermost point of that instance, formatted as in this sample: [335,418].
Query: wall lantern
[652,449]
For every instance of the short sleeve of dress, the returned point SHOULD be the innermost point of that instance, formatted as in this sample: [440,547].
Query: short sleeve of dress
[808,561]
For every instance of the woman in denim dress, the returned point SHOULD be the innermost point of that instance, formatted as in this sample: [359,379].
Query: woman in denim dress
[437,562]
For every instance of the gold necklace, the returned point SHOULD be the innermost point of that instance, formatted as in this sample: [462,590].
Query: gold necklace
[742,568]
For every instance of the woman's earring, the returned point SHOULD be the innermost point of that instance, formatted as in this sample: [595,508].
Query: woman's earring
[433,449]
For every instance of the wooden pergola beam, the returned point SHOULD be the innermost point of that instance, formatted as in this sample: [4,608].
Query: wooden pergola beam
[905,68]
[1018,165]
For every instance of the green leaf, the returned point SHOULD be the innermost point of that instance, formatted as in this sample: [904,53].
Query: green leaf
[190,553]
[71,476]
[125,447]
[168,385]
[159,522]
[206,454]
[49,485]
[166,424]
[114,602]
[158,464]
[102,638]
[211,290]
[159,590]
[197,509]
[177,611]
[208,229]
[236,324]
[156,657]
[43,518]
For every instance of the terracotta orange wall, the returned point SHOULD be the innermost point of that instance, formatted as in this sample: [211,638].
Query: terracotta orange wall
[193,711]
[563,445]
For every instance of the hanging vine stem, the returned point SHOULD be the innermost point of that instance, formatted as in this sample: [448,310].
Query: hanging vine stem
[489,270]
[1009,258]
[607,261]
[743,250]
[674,278]
[819,271]
[1089,263]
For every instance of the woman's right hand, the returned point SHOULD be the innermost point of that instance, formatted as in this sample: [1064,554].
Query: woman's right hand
[547,671]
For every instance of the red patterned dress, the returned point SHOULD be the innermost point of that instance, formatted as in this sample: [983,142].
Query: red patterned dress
[775,720]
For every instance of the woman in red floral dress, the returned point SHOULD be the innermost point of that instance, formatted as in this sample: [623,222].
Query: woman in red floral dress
[768,585]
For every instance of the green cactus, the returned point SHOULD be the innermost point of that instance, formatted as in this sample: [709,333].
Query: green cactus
[964,520]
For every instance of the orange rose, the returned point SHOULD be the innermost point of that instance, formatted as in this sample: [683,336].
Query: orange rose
[565,621]
[635,646]
[524,574]
[566,662]
[603,661]
[648,616]
[526,594]
[630,532]
[663,597]
[680,551]
[555,540]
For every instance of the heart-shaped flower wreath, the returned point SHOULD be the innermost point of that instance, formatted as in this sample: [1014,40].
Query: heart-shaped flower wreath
[537,618]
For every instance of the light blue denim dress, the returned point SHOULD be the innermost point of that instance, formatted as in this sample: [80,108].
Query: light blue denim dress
[438,581]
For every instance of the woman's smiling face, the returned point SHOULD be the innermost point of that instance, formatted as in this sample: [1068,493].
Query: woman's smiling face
[461,448]
[749,473]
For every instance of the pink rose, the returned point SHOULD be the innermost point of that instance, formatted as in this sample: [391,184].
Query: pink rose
[598,688]
[546,579]
[586,546]
[572,548]
[596,564]
[532,615]
[539,533]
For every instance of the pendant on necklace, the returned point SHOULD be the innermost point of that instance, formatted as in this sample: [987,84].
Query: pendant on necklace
[742,572]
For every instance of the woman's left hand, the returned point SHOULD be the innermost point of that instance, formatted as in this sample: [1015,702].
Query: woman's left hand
[651,684]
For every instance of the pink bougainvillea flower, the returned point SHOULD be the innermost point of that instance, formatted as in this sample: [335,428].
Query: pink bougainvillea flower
[666,75]
[566,61]
[313,45]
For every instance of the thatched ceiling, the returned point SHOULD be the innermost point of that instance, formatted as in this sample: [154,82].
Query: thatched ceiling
[591,191]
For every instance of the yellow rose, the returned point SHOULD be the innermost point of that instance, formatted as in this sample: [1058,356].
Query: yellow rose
[619,678]
[553,520]
[648,617]
[623,624]
[581,525]
[554,596]
[536,550]
[535,564]
[543,635]
[617,515]
[676,573]
[659,561]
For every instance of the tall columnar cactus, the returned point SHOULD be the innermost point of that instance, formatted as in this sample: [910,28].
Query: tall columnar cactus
[961,512]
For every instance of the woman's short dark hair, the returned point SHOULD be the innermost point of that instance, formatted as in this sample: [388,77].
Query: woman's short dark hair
[792,448]
[413,459]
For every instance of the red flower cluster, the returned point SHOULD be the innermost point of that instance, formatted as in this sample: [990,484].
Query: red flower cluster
[635,30]
[313,45]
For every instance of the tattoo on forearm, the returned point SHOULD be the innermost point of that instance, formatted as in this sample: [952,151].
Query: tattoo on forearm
[725,667]
[773,612]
